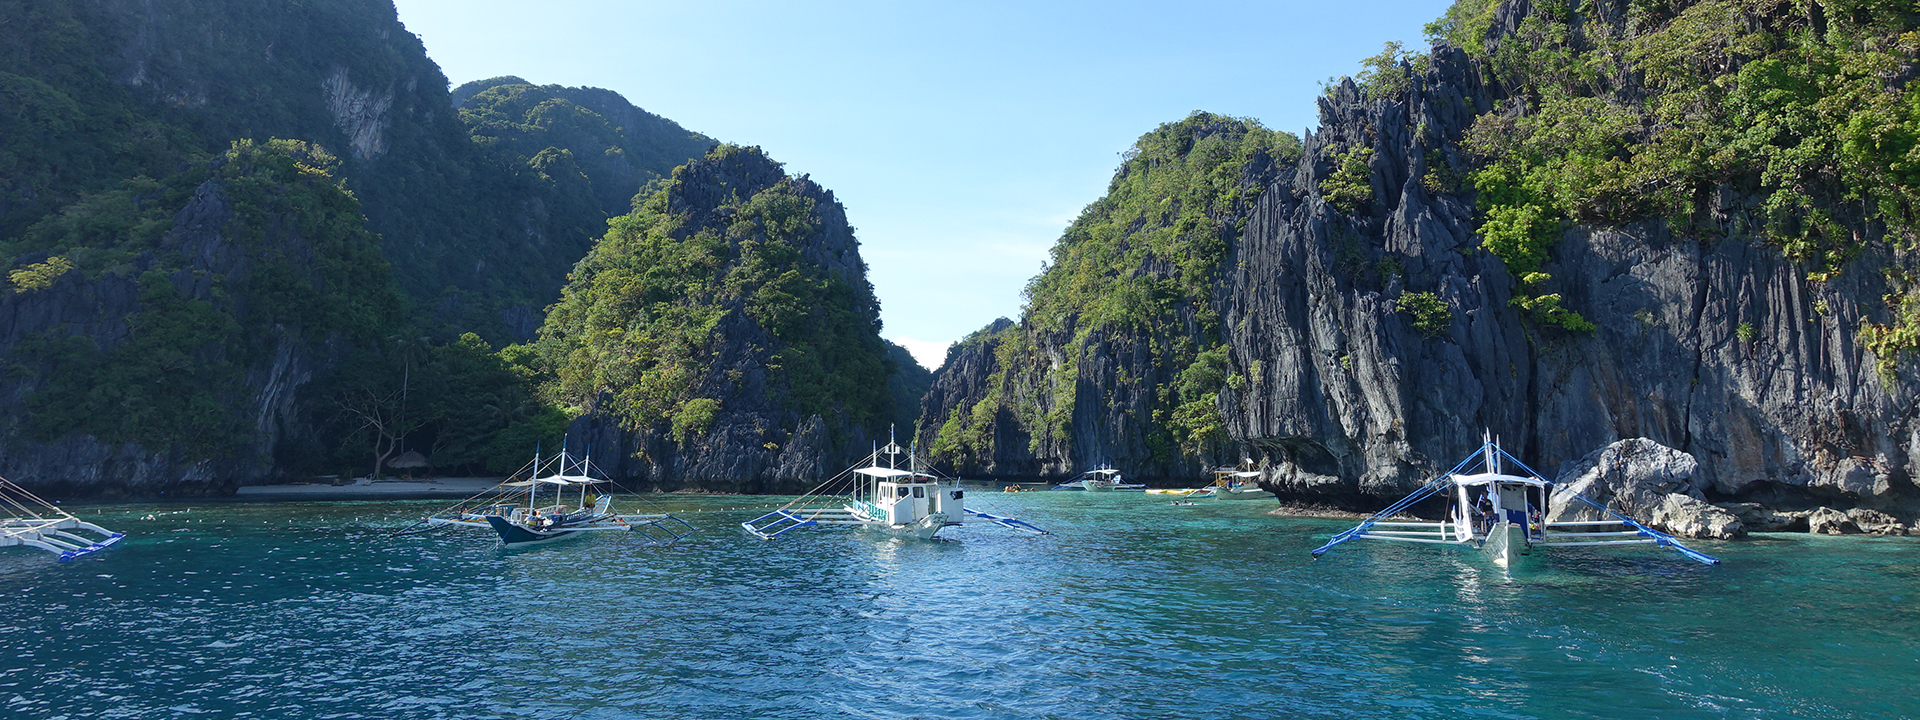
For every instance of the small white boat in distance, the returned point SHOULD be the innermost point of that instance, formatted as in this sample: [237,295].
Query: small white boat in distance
[1101,479]
[515,512]
[28,521]
[1503,515]
[902,502]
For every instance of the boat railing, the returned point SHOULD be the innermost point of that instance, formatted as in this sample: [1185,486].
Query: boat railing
[773,524]
[658,530]
[1007,522]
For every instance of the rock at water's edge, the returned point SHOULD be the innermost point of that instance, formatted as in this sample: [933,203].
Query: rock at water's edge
[1828,521]
[1683,516]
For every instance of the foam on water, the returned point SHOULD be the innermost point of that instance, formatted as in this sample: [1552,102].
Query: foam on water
[1133,609]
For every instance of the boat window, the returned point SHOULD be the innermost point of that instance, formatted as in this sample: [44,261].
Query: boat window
[919,492]
[902,493]
[957,494]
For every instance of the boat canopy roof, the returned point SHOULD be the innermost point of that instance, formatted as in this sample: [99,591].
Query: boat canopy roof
[883,473]
[1497,478]
[1247,473]
[555,480]
[1105,471]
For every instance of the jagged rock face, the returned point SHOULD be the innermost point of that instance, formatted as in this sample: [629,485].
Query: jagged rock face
[1714,343]
[360,113]
[1343,387]
[739,416]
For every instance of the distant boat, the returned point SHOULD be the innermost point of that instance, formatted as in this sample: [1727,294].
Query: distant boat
[1101,479]
[28,521]
[882,497]
[1241,482]
[1503,515]
[514,510]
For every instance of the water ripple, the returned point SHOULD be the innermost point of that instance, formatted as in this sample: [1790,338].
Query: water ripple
[1132,610]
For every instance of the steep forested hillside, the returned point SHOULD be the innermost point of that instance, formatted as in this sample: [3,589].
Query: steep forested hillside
[158,334]
[1567,224]
[1119,354]
[480,235]
[723,334]
[122,127]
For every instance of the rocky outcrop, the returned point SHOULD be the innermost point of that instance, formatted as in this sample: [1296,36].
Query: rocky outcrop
[1756,517]
[1632,476]
[1854,521]
[781,387]
[360,113]
[1688,517]
[1709,340]
[1646,481]
[1828,521]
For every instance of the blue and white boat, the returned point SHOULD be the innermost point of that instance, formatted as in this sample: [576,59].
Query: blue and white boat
[517,511]
[1504,515]
[1101,479]
[880,496]
[28,521]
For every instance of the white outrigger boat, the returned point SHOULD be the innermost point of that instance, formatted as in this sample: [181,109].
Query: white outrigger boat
[903,502]
[1101,479]
[28,521]
[1237,483]
[513,509]
[1503,515]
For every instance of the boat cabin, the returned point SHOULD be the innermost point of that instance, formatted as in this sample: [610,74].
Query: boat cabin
[902,497]
[1484,500]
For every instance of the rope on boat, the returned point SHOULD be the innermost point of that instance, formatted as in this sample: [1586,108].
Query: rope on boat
[1433,486]
[1425,491]
[1659,538]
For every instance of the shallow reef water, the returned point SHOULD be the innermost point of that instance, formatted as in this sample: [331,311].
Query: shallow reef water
[1133,608]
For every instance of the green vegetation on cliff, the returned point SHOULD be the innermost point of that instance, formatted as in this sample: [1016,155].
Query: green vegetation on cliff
[1139,264]
[616,146]
[310,268]
[1618,112]
[640,331]
[1807,104]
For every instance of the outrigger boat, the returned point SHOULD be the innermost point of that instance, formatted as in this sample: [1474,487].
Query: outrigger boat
[513,509]
[28,521]
[902,502]
[1504,515]
[1101,479]
[1241,482]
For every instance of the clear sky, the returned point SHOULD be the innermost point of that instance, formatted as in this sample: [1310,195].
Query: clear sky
[961,137]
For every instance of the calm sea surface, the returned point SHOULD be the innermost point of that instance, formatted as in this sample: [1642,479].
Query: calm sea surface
[1133,609]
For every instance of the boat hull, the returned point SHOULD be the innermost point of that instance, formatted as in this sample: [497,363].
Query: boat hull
[924,529]
[1507,546]
[513,535]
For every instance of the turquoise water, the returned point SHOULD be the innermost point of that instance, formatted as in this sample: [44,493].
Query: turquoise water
[1133,609]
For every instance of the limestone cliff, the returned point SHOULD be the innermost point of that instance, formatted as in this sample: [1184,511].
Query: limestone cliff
[164,353]
[723,336]
[1373,335]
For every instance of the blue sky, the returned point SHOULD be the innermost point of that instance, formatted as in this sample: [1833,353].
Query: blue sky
[962,138]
